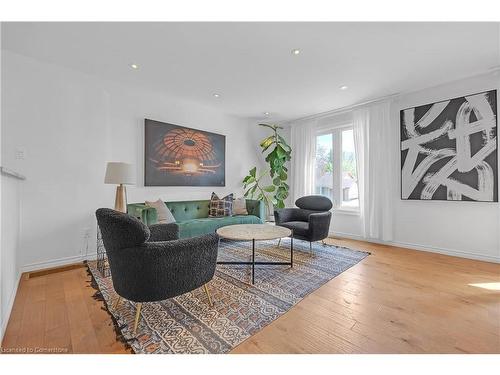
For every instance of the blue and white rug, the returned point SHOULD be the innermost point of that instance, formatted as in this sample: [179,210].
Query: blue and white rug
[187,324]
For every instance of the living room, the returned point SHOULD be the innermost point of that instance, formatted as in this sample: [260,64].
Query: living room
[250,187]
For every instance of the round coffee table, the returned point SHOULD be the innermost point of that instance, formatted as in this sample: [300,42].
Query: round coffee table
[256,232]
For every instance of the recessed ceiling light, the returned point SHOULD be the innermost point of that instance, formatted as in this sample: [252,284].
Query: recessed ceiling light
[344,87]
[216,95]
[134,66]
[266,113]
[295,51]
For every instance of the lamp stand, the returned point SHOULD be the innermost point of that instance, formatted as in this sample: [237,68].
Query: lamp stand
[121,199]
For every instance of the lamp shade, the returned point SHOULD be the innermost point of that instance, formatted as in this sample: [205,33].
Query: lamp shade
[119,173]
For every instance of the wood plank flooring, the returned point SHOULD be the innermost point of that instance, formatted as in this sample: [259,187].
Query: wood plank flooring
[394,301]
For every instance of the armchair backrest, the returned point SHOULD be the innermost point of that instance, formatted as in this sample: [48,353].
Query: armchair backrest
[145,271]
[120,230]
[318,203]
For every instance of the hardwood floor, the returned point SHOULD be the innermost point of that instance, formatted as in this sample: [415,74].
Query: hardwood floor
[57,311]
[394,301]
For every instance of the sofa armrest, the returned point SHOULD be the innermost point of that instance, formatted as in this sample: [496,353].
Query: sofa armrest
[256,208]
[163,232]
[146,214]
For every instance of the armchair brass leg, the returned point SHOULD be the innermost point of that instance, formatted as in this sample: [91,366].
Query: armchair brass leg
[208,295]
[137,316]
[310,247]
[323,242]
[279,242]
[117,302]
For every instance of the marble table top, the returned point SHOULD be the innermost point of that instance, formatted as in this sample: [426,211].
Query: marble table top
[248,232]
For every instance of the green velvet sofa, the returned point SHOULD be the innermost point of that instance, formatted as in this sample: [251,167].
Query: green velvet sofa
[192,216]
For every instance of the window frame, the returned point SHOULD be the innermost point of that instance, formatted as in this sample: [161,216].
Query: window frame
[336,132]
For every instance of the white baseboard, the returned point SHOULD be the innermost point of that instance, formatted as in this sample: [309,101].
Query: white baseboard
[413,246]
[56,262]
[10,305]
[432,249]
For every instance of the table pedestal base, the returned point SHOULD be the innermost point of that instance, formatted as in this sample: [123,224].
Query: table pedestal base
[253,263]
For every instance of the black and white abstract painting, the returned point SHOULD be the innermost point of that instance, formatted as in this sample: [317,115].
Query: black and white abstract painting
[449,150]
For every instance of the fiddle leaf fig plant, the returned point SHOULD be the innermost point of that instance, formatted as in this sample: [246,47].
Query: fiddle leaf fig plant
[254,187]
[278,153]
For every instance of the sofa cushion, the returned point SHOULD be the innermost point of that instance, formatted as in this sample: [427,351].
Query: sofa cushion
[187,210]
[162,211]
[300,228]
[240,206]
[196,227]
[221,206]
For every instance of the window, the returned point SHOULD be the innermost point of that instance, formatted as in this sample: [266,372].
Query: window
[324,165]
[350,197]
[336,176]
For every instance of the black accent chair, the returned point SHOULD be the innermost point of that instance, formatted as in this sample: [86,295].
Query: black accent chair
[310,221]
[152,264]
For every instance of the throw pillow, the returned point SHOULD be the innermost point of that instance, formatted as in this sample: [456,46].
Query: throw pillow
[221,206]
[240,206]
[164,214]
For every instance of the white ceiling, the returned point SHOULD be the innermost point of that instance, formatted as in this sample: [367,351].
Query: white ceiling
[251,65]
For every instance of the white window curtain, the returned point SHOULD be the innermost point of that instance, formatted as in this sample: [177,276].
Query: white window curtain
[303,143]
[374,142]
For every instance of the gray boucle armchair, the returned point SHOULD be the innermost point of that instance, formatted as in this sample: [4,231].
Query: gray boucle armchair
[151,264]
[310,221]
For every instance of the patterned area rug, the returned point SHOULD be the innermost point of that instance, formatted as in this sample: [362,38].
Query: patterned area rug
[187,324]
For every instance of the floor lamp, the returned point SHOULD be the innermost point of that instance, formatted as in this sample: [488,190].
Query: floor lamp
[120,174]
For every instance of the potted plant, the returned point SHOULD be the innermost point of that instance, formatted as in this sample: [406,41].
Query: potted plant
[278,153]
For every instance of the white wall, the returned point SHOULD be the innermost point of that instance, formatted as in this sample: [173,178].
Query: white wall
[9,235]
[69,125]
[1,247]
[468,229]
[10,228]
[1,183]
